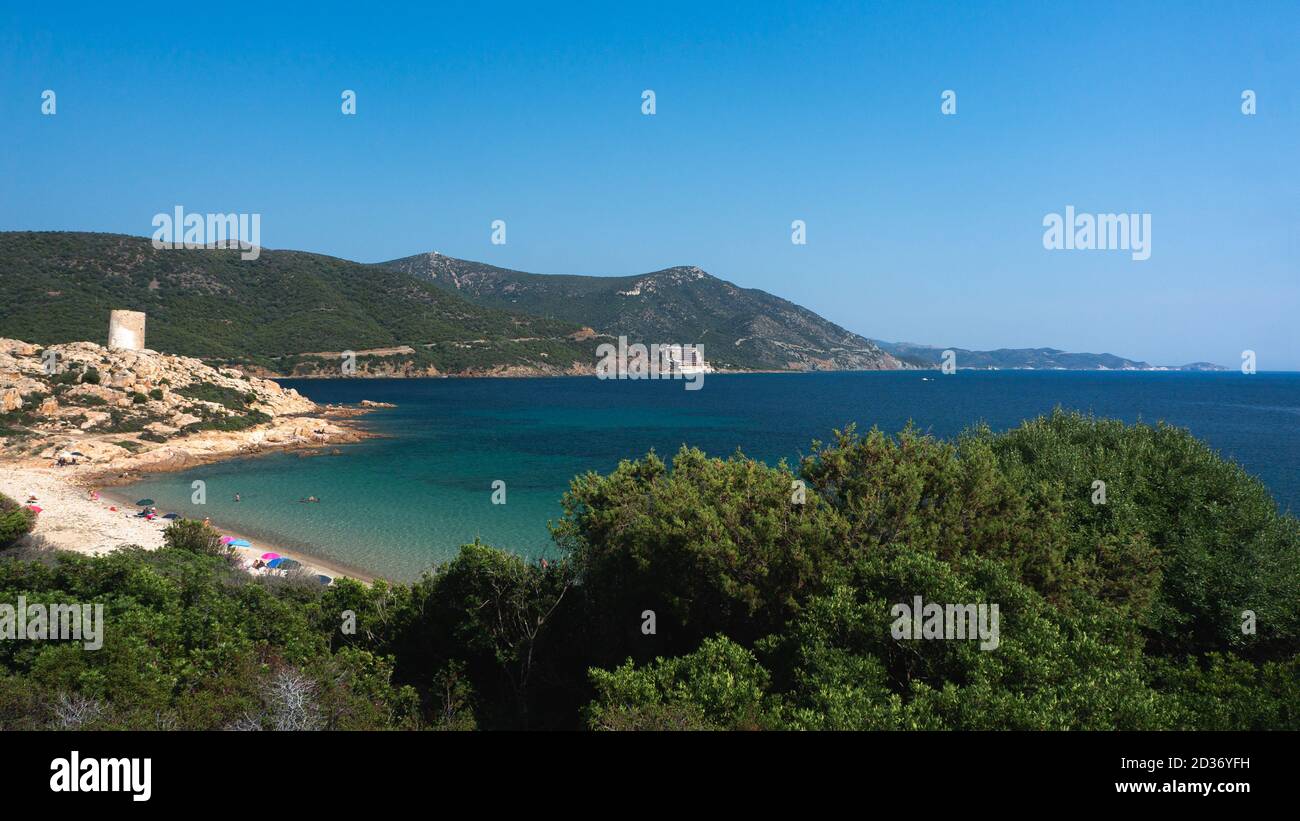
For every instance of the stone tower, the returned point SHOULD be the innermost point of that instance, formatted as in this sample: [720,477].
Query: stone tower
[126,330]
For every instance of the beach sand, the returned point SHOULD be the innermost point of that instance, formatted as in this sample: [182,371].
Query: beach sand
[71,520]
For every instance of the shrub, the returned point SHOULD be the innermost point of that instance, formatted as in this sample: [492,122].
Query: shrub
[16,521]
[229,398]
[228,423]
[194,536]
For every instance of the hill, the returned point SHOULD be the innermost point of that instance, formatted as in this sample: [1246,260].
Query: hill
[285,312]
[740,328]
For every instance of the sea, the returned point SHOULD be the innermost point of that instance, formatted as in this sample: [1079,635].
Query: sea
[461,459]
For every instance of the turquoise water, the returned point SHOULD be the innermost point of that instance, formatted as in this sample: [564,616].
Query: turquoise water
[393,506]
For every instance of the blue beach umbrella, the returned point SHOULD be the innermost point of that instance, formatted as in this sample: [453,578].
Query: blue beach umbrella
[240,543]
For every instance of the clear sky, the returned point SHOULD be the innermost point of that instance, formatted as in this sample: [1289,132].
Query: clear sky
[920,226]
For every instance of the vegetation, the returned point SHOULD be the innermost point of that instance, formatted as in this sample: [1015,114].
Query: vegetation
[230,398]
[195,537]
[769,611]
[231,422]
[16,521]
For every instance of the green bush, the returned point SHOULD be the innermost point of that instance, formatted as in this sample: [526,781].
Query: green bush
[194,644]
[196,537]
[16,521]
[1123,615]
[228,423]
[770,611]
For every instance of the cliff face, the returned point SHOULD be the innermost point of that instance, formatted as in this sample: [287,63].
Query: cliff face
[142,409]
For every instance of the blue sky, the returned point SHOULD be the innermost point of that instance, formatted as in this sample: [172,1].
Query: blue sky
[921,227]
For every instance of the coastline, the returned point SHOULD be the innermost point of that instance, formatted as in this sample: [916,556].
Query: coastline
[70,520]
[311,562]
[73,521]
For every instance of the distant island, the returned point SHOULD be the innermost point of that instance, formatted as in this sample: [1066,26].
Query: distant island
[1032,359]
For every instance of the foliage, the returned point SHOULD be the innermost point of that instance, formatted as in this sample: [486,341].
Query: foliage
[768,612]
[196,537]
[16,521]
[194,644]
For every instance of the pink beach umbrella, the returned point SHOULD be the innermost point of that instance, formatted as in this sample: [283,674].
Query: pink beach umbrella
[270,556]
[227,539]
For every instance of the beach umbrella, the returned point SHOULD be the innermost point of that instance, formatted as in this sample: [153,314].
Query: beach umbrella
[288,564]
[275,563]
[240,543]
[144,502]
[171,516]
[269,556]
[227,539]
[34,508]
[324,580]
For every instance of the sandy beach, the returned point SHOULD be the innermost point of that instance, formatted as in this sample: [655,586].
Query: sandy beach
[111,415]
[71,520]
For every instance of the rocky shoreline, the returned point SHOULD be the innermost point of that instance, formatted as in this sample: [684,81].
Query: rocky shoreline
[78,417]
[141,411]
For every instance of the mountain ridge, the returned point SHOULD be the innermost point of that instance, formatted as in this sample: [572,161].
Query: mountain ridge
[295,313]
[569,296]
[739,328]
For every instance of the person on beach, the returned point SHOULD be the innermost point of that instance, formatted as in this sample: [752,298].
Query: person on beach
[236,497]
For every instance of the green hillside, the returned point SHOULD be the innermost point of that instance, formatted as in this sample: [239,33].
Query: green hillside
[60,287]
[738,327]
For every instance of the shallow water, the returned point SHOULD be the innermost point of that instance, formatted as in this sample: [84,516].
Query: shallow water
[396,505]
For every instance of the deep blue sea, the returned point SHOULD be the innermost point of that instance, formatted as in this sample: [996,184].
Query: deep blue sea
[395,505]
